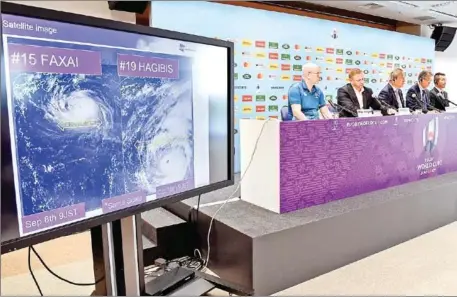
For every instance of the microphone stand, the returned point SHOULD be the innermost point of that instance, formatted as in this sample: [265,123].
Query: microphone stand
[385,104]
[449,101]
[421,103]
[336,106]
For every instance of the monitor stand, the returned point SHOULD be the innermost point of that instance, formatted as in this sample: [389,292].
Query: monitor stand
[125,276]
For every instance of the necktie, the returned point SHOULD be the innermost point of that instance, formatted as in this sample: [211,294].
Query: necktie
[400,101]
[424,99]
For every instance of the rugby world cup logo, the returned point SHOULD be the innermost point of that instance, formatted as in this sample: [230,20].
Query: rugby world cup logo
[430,136]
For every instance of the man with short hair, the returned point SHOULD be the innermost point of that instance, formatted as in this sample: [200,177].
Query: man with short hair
[391,94]
[438,96]
[355,95]
[306,100]
[418,96]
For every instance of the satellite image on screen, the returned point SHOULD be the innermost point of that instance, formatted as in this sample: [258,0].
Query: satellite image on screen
[96,123]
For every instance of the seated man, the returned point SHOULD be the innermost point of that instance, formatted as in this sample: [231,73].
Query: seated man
[438,96]
[391,94]
[355,95]
[418,96]
[306,100]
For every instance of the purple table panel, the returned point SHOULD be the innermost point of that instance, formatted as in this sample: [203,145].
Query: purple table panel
[323,161]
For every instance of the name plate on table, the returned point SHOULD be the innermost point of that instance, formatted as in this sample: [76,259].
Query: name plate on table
[377,113]
[364,113]
[324,161]
[452,109]
[403,111]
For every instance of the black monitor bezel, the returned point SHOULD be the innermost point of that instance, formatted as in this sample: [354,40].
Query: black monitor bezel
[71,18]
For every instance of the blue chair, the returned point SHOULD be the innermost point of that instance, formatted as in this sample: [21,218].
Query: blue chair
[285,114]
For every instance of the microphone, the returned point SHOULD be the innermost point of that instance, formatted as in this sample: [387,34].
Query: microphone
[336,106]
[449,101]
[421,103]
[382,103]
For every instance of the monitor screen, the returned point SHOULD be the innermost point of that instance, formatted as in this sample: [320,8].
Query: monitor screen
[100,117]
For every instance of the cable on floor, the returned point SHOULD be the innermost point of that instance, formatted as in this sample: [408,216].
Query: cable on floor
[232,195]
[32,249]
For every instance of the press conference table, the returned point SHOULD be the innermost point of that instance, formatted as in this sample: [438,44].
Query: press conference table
[306,163]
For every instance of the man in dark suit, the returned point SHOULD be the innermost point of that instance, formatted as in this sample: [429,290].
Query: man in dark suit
[355,96]
[391,94]
[418,96]
[438,96]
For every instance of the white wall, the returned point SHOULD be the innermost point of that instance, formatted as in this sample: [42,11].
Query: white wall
[446,62]
[91,8]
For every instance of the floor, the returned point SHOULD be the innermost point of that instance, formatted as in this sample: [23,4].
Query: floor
[423,266]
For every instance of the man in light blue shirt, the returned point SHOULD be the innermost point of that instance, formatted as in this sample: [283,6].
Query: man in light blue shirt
[306,100]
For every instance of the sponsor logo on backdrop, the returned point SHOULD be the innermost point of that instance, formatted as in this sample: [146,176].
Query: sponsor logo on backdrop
[285,67]
[246,64]
[348,61]
[285,77]
[340,51]
[260,98]
[273,45]
[235,98]
[246,42]
[246,98]
[329,60]
[235,76]
[259,75]
[285,97]
[273,98]
[382,56]
[260,44]
[374,55]
[349,53]
[260,55]
[297,77]
[297,47]
[272,76]
[260,118]
[273,56]
[247,109]
[308,49]
[339,61]
[273,117]
[259,65]
[330,50]
[297,58]
[357,62]
[285,46]
[273,108]
[277,87]
[247,76]
[246,54]
[285,57]
[274,67]
[241,87]
[260,108]
[297,67]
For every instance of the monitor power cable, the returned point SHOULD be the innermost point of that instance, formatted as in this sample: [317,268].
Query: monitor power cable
[208,238]
[32,249]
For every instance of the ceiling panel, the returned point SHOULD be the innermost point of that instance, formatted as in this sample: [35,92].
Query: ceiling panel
[417,12]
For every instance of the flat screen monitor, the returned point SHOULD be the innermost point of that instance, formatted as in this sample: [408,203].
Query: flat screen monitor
[103,120]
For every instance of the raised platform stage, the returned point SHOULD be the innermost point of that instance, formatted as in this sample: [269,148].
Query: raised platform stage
[271,252]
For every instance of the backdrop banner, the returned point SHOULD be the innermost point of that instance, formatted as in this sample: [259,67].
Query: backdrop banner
[271,47]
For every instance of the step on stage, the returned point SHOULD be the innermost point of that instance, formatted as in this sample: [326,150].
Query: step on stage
[271,252]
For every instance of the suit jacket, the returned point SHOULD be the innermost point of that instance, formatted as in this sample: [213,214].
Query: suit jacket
[413,96]
[387,95]
[437,100]
[347,98]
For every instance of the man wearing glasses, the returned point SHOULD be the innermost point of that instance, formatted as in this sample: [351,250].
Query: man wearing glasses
[306,100]
[418,96]
[355,96]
